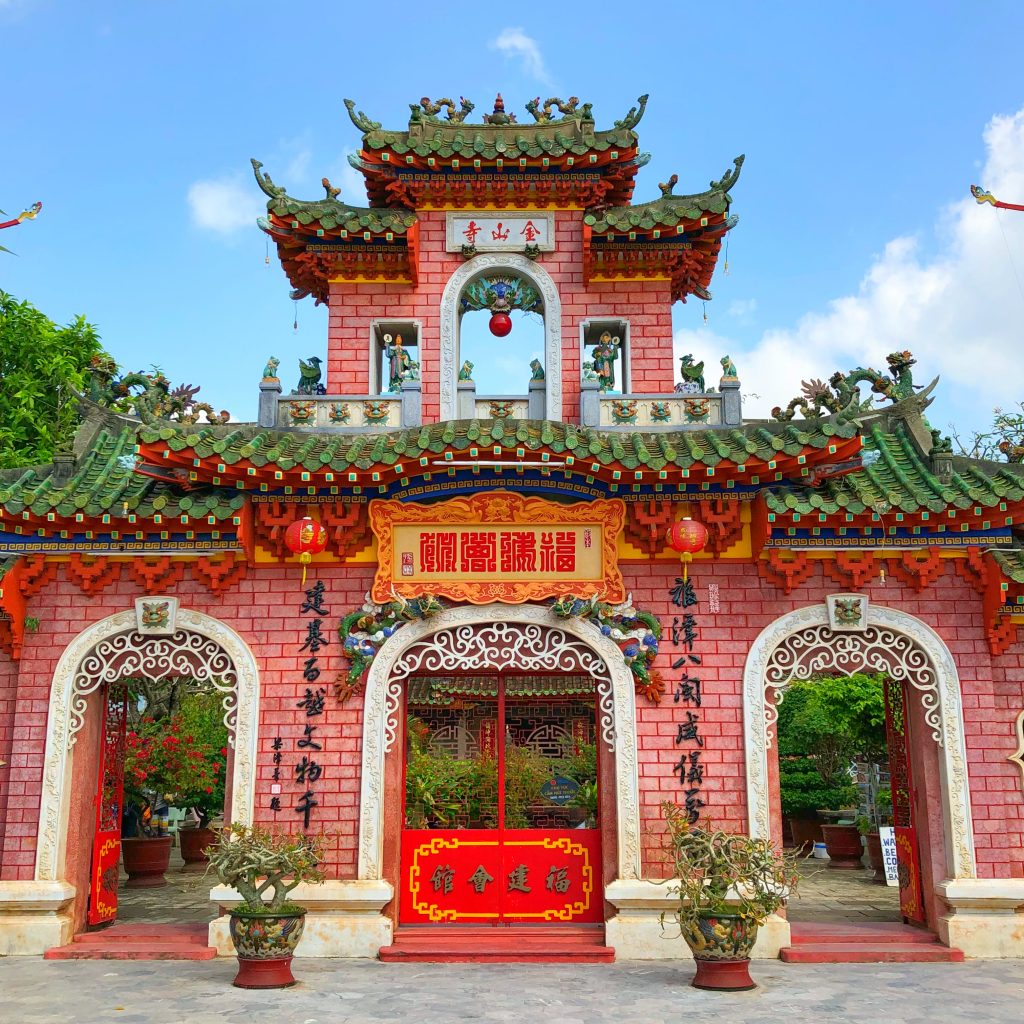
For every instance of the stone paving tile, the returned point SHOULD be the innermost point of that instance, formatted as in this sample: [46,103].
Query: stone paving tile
[826,894]
[368,992]
[184,900]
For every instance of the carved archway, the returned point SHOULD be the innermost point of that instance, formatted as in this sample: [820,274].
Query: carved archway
[803,643]
[496,637]
[517,264]
[112,649]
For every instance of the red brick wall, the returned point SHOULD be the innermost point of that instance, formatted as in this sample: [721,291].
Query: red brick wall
[264,610]
[993,695]
[645,304]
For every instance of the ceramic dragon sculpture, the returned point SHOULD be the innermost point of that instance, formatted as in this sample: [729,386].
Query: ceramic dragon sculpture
[841,395]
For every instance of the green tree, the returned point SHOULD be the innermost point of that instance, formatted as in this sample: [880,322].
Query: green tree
[1004,439]
[41,363]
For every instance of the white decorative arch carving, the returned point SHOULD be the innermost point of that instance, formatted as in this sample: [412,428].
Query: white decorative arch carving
[517,264]
[495,637]
[802,643]
[111,649]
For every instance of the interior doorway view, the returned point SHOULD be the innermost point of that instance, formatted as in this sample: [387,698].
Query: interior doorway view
[501,820]
[847,799]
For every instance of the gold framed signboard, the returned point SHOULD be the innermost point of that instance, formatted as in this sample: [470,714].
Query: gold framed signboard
[497,547]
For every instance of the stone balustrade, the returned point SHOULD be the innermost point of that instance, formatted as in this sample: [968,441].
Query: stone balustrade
[674,410]
[341,413]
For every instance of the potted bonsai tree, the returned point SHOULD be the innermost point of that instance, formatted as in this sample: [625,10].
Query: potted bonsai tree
[728,885]
[264,866]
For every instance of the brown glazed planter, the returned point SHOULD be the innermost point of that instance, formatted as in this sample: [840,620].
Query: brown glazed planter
[265,944]
[844,847]
[146,860]
[875,859]
[721,945]
[193,842]
[805,832]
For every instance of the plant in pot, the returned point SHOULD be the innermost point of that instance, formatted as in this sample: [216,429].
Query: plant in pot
[728,886]
[149,762]
[198,772]
[264,865]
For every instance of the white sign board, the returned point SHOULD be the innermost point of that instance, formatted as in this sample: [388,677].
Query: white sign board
[497,231]
[888,836]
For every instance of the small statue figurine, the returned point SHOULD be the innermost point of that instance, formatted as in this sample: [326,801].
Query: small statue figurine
[413,372]
[466,373]
[537,371]
[606,351]
[398,362]
[588,371]
[692,374]
[310,376]
[728,369]
[270,370]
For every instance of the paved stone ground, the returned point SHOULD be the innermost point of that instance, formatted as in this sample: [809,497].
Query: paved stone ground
[184,900]
[368,992]
[831,895]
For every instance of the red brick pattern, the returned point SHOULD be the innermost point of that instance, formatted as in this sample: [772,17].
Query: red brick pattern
[264,609]
[647,305]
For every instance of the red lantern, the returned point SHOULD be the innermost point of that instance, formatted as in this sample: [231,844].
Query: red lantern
[305,538]
[500,324]
[687,537]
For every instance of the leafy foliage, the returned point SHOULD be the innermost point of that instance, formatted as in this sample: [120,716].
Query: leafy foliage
[824,724]
[256,860]
[1003,440]
[723,872]
[41,364]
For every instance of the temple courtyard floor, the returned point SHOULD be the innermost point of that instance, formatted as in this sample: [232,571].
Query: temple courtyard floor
[353,992]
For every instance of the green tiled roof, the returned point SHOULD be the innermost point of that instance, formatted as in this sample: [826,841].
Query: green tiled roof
[314,452]
[667,211]
[104,483]
[1012,564]
[430,136]
[330,213]
[901,480]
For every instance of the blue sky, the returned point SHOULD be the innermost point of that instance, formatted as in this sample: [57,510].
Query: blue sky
[863,124]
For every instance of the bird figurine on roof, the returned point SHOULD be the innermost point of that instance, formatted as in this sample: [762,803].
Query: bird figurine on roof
[332,192]
[310,376]
[667,186]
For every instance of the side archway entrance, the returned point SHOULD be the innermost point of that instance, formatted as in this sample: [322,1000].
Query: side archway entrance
[809,641]
[105,653]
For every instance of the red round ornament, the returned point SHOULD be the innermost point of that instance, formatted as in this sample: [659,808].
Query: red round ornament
[500,324]
[305,538]
[687,537]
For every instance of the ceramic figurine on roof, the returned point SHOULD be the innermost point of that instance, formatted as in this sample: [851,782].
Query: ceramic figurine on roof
[310,376]
[498,116]
[692,374]
[842,393]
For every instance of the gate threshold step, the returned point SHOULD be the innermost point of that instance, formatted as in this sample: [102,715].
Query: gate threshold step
[498,945]
[862,953]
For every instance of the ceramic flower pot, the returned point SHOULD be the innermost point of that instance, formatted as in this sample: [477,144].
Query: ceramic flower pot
[805,833]
[844,847]
[193,842]
[876,861]
[146,860]
[721,945]
[265,944]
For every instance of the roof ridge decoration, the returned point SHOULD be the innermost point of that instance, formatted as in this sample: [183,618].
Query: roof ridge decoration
[841,395]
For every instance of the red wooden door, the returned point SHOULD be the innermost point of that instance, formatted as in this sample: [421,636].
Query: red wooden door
[903,799]
[106,847]
[519,839]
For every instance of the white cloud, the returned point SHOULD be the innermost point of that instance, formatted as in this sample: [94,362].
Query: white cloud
[959,311]
[224,205]
[742,309]
[514,42]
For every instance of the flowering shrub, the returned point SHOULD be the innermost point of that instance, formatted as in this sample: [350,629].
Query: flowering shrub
[182,758]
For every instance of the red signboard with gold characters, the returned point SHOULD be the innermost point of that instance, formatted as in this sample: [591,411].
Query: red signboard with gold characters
[497,547]
[474,877]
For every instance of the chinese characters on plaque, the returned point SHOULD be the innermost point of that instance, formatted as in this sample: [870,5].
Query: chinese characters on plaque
[688,694]
[306,771]
[500,231]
